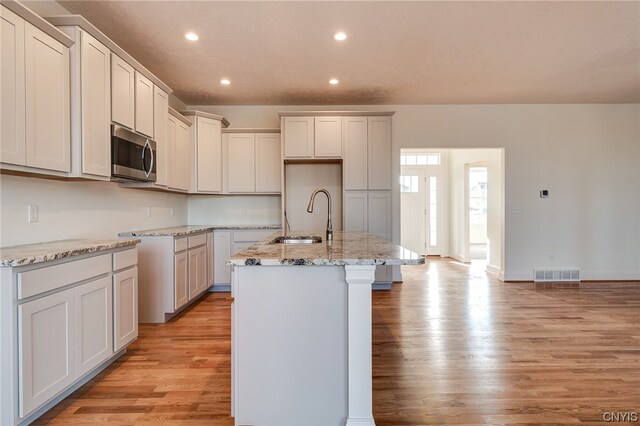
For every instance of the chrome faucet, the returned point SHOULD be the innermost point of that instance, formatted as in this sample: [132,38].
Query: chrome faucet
[310,210]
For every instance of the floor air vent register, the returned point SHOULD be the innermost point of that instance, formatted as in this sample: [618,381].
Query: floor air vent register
[556,275]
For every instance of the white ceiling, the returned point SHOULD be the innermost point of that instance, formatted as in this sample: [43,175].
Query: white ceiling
[447,52]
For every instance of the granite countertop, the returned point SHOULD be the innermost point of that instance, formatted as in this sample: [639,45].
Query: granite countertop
[42,252]
[348,248]
[178,231]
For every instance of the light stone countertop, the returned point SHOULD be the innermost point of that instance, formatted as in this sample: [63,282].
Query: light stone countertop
[348,248]
[179,231]
[42,252]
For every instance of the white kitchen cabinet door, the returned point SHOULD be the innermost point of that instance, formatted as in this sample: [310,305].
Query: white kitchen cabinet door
[355,211]
[181,279]
[48,115]
[379,215]
[379,153]
[144,105]
[209,259]
[208,155]
[125,308]
[122,92]
[45,349]
[268,167]
[298,137]
[197,270]
[241,168]
[95,82]
[354,134]
[93,324]
[328,137]
[221,251]
[12,87]
[172,161]
[160,112]
[182,156]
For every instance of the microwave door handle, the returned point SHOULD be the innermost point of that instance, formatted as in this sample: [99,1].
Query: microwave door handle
[146,147]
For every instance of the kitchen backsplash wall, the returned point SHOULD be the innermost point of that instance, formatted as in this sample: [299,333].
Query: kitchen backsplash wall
[234,210]
[79,209]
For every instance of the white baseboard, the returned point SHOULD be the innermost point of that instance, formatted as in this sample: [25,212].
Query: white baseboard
[494,270]
[353,421]
[459,258]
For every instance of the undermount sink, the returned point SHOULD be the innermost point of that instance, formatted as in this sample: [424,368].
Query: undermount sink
[297,240]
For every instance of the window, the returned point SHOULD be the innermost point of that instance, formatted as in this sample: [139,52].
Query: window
[420,160]
[408,183]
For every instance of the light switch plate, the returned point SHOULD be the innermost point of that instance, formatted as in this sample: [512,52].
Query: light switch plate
[32,214]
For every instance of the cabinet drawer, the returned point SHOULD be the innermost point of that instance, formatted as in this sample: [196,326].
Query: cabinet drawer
[125,258]
[197,240]
[180,244]
[253,235]
[49,278]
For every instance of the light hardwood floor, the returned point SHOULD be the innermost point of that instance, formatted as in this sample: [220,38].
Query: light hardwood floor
[451,345]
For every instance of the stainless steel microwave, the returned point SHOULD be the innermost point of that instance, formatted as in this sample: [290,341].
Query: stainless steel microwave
[132,155]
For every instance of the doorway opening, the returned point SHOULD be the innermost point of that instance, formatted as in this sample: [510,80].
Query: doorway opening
[478,213]
[452,204]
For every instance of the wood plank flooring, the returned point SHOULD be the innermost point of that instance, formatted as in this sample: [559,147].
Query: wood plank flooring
[451,345]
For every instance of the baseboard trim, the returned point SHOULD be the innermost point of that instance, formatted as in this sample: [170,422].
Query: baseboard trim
[360,421]
[494,270]
[459,258]
[380,285]
[220,288]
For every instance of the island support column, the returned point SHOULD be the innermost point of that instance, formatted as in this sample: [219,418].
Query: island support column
[359,279]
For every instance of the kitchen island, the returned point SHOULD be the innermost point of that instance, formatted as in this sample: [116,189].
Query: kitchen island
[301,329]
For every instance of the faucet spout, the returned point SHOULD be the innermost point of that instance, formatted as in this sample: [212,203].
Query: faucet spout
[310,210]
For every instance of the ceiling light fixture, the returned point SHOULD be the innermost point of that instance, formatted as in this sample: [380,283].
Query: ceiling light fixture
[225,81]
[191,36]
[333,81]
[340,36]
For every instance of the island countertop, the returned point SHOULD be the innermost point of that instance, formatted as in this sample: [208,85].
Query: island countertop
[347,248]
[29,254]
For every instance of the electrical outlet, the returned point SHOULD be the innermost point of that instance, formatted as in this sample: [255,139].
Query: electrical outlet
[515,210]
[32,213]
[317,210]
[246,212]
[171,211]
[148,211]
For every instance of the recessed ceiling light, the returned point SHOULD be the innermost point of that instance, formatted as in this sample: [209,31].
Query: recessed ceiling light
[225,81]
[191,36]
[333,81]
[340,36]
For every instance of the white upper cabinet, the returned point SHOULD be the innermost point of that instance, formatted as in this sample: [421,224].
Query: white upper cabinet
[48,136]
[12,87]
[328,137]
[268,163]
[122,92]
[252,162]
[144,105]
[312,137]
[241,164]
[182,156]
[160,113]
[208,155]
[354,133]
[379,155]
[298,137]
[94,74]
[172,126]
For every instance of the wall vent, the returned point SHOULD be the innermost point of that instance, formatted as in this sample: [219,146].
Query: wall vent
[556,275]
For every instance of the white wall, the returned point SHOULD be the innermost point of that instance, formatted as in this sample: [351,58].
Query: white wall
[235,210]
[68,210]
[588,156]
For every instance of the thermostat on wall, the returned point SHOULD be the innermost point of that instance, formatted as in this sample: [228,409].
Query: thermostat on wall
[544,193]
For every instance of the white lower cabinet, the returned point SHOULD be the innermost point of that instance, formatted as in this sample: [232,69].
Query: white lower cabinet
[197,271]
[93,324]
[174,272]
[181,280]
[45,348]
[227,243]
[125,308]
[65,313]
